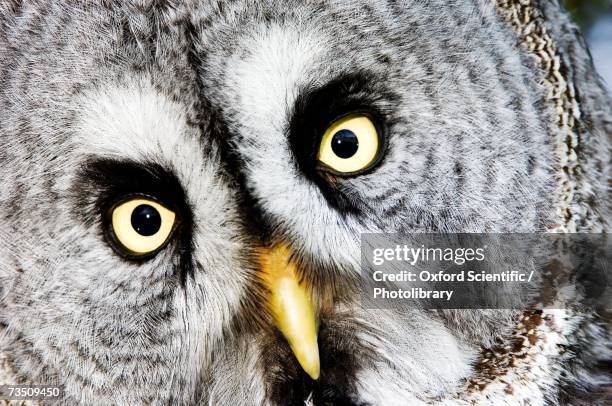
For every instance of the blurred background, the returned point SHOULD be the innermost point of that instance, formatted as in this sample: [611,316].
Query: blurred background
[595,18]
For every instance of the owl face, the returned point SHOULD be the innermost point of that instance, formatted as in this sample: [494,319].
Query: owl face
[154,154]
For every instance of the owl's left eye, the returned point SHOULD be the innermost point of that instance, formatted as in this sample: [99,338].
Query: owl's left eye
[350,145]
[140,226]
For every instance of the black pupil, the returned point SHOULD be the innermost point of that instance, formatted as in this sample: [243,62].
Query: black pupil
[146,220]
[345,144]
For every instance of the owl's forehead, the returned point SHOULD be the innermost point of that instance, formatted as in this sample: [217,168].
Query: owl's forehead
[256,72]
[264,82]
[255,59]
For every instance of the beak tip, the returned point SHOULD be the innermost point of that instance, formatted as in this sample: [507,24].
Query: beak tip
[314,375]
[313,368]
[307,355]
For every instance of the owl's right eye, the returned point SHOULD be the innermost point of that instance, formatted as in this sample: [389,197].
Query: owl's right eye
[140,226]
[350,145]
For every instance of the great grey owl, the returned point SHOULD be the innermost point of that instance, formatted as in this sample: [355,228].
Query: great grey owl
[156,155]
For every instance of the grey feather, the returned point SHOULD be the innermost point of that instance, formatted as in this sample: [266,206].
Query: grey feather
[207,90]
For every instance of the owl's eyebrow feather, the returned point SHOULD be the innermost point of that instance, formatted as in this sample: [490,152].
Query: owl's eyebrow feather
[111,179]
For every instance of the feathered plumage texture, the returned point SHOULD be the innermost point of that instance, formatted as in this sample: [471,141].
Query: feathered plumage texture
[496,121]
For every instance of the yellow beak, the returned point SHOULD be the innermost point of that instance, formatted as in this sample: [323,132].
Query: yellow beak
[291,306]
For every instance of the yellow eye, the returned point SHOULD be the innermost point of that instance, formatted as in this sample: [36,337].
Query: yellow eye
[351,144]
[141,225]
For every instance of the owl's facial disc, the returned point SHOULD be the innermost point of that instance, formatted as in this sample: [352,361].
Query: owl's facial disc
[290,304]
